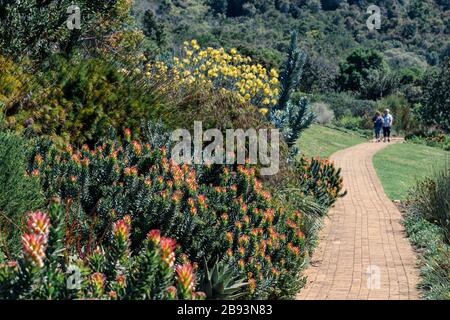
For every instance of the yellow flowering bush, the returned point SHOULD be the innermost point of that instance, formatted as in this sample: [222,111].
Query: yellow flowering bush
[227,71]
[12,80]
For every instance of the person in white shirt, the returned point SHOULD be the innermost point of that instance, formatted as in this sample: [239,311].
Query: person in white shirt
[388,119]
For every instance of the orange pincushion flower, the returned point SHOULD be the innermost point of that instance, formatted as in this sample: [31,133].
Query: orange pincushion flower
[34,246]
[121,230]
[130,171]
[224,218]
[185,277]
[154,236]
[137,147]
[127,134]
[229,237]
[98,280]
[252,285]
[38,223]
[121,280]
[171,292]
[243,240]
[167,246]
[202,201]
[38,159]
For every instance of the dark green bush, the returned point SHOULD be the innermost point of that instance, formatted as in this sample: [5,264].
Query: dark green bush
[19,192]
[78,100]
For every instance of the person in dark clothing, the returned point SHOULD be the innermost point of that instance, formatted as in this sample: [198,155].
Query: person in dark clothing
[378,124]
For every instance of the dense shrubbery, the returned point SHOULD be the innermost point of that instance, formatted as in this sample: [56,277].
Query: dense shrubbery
[78,100]
[318,178]
[51,268]
[212,212]
[427,224]
[432,139]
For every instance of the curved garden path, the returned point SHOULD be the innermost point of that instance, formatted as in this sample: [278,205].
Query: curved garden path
[363,252]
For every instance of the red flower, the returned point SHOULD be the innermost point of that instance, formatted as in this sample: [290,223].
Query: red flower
[121,230]
[185,277]
[34,246]
[167,246]
[38,223]
[154,236]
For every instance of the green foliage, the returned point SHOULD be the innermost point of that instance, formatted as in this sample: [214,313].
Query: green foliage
[152,29]
[295,118]
[213,212]
[18,192]
[432,139]
[78,100]
[427,225]
[49,268]
[221,282]
[319,179]
[430,200]
[357,67]
[292,72]
[435,101]
[35,28]
[345,104]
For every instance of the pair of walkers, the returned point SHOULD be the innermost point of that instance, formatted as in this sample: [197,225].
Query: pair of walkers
[383,121]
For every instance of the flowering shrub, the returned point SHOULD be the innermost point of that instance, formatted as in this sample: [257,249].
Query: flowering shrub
[112,271]
[227,71]
[320,179]
[213,212]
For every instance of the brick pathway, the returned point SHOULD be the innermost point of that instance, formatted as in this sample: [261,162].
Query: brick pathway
[362,236]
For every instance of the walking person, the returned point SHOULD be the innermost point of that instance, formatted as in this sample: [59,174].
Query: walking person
[388,119]
[377,124]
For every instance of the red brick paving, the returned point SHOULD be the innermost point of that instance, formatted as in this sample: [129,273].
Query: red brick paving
[362,231]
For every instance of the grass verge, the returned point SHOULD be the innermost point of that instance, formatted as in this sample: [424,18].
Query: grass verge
[400,165]
[324,141]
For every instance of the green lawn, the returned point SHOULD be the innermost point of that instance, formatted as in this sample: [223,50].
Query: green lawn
[324,141]
[399,166]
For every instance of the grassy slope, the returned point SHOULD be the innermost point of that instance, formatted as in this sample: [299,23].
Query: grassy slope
[400,165]
[323,141]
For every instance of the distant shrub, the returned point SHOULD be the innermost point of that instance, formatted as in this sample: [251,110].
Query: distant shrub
[431,139]
[324,115]
[345,104]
